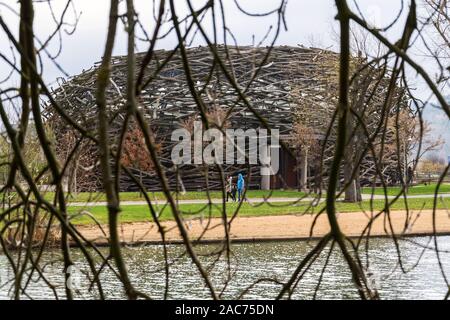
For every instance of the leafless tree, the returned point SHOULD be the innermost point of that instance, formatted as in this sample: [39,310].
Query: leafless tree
[361,134]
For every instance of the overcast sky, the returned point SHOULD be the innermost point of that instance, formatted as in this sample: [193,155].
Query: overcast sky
[309,23]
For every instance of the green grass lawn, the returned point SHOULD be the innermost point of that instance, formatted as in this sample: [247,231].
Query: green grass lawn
[136,213]
[413,190]
[190,195]
[201,195]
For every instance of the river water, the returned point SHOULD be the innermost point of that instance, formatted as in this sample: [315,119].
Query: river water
[253,261]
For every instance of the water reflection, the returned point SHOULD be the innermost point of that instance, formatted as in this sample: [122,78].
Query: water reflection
[252,261]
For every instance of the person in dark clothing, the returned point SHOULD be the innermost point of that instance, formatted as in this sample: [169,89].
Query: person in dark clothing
[409,175]
[229,189]
[233,192]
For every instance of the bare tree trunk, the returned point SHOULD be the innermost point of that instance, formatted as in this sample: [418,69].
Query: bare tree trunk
[304,170]
[75,182]
[103,126]
[358,185]
[349,183]
[351,166]
[358,275]
[352,184]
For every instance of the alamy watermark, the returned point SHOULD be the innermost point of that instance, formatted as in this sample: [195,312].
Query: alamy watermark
[233,146]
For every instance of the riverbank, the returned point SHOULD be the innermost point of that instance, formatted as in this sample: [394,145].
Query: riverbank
[280,227]
[255,207]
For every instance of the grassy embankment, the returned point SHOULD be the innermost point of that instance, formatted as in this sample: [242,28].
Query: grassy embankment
[190,195]
[414,190]
[136,213]
[199,195]
[133,213]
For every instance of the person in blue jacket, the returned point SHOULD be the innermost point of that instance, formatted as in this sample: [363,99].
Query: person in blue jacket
[240,186]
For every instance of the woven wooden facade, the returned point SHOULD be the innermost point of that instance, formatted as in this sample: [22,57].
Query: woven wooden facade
[293,85]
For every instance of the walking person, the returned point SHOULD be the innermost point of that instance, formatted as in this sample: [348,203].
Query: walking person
[229,188]
[233,192]
[240,186]
[409,176]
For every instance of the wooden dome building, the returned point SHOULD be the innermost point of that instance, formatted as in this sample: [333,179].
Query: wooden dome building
[293,88]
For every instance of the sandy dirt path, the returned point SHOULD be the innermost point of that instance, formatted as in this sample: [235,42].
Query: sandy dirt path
[278,227]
